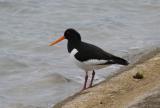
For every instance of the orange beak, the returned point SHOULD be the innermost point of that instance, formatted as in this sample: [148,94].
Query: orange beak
[56,41]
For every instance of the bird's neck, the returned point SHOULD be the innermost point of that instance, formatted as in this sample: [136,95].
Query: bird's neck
[72,44]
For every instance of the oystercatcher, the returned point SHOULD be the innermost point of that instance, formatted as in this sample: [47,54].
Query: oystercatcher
[87,56]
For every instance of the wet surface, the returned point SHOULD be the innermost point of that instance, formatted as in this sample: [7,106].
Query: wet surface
[32,74]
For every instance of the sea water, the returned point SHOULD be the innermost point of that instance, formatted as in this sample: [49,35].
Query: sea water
[35,75]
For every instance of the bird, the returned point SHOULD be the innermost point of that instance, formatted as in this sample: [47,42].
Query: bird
[86,56]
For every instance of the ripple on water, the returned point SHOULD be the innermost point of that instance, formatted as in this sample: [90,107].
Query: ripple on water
[31,73]
[12,63]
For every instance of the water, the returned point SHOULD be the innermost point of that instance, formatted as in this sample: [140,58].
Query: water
[34,75]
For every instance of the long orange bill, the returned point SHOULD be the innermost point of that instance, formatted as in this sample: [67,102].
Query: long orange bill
[56,41]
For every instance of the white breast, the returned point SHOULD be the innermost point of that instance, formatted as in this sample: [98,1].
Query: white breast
[87,65]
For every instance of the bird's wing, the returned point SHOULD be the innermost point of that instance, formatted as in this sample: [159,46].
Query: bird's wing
[88,52]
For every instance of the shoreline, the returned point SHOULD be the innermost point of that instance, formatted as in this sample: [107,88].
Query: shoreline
[121,89]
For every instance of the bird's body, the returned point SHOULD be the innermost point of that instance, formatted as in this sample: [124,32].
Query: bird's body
[87,56]
[88,65]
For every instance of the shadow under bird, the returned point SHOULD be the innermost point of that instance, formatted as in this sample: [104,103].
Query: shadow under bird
[87,56]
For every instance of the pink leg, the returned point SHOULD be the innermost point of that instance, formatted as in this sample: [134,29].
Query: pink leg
[85,82]
[93,74]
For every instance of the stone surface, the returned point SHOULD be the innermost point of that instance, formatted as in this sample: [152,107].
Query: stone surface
[122,90]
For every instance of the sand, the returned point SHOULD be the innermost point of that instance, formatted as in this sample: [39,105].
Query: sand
[122,90]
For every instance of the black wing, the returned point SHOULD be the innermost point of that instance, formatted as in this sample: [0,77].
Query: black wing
[88,51]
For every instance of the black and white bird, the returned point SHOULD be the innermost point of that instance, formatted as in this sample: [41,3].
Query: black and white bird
[87,56]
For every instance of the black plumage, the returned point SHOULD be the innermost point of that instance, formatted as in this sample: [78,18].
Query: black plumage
[88,51]
[87,56]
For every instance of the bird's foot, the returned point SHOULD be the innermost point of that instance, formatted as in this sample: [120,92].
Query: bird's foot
[90,86]
[83,89]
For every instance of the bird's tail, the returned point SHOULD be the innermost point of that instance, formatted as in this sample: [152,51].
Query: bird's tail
[120,61]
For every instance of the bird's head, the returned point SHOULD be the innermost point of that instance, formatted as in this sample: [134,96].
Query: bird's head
[70,34]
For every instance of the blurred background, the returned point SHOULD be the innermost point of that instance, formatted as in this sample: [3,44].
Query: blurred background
[34,75]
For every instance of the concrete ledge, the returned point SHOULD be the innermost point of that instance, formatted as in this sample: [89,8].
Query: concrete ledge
[122,90]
